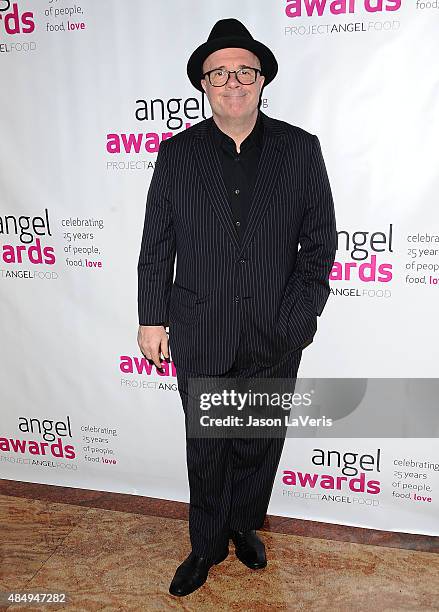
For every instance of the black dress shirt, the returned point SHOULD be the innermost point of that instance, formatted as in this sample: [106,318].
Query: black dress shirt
[239,170]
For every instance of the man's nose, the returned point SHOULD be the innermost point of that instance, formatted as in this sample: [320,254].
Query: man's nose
[233,81]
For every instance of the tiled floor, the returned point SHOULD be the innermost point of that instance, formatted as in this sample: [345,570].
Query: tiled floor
[124,559]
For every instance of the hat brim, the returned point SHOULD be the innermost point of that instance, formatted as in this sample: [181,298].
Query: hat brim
[194,66]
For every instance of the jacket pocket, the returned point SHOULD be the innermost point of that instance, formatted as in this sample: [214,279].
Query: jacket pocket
[185,305]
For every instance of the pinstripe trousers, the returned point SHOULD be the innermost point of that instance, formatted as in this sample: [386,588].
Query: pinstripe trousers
[231,479]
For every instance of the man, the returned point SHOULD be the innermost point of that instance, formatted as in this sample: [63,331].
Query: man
[233,197]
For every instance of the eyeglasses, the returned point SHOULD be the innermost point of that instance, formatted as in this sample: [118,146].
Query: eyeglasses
[219,76]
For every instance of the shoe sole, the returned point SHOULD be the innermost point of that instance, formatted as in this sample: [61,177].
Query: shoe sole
[178,594]
[253,567]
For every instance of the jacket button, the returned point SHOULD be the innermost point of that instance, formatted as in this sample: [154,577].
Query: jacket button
[237,298]
[242,261]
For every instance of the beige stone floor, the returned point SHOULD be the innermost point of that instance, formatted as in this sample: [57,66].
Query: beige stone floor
[111,560]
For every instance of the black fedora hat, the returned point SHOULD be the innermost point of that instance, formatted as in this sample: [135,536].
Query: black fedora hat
[230,33]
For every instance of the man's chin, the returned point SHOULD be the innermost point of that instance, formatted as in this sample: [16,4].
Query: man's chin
[236,111]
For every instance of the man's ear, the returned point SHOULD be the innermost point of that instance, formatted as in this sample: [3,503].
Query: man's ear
[260,96]
[203,84]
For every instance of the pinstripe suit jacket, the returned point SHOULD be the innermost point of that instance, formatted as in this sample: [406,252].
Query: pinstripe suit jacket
[279,289]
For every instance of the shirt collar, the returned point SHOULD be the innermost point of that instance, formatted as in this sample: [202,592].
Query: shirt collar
[253,139]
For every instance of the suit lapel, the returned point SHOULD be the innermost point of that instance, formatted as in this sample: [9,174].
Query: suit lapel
[211,173]
[266,177]
[210,169]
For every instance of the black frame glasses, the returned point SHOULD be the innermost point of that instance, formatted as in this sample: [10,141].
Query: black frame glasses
[229,72]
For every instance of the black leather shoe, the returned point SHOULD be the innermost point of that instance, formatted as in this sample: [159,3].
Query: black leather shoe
[192,573]
[249,549]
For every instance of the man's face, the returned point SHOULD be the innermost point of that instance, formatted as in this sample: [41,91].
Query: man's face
[232,100]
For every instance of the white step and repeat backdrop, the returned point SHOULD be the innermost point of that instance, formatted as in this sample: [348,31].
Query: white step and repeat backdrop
[89,89]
